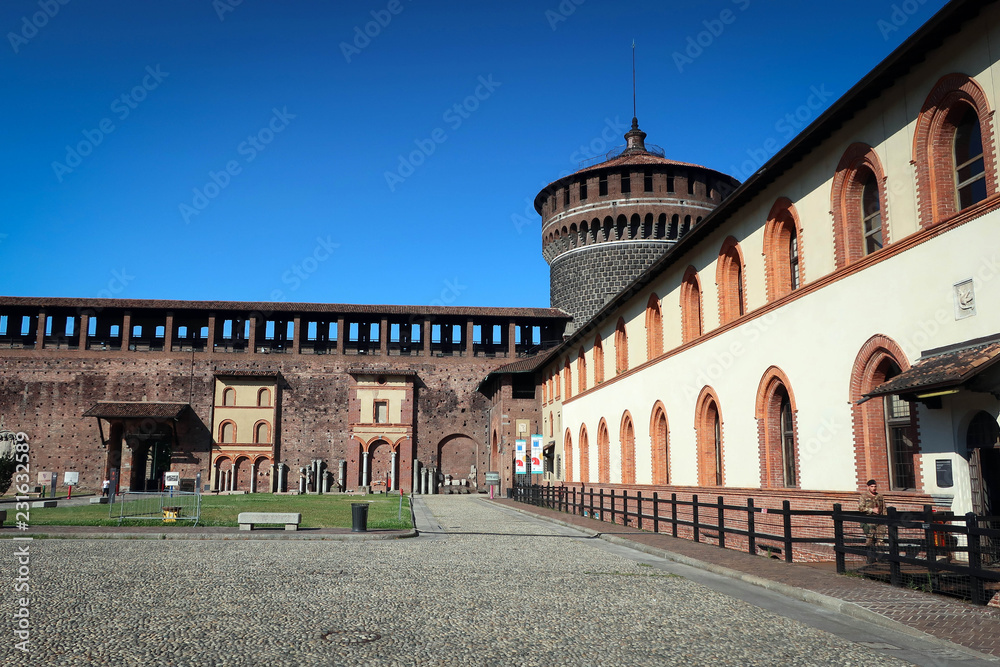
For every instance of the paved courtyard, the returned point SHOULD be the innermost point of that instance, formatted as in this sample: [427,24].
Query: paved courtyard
[483,586]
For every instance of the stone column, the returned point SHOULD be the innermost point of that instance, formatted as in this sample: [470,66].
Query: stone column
[392,472]
[364,469]
[341,475]
[416,476]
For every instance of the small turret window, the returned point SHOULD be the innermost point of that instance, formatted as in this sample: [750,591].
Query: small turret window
[566,196]
[602,185]
[647,181]
[626,183]
[670,182]
[583,190]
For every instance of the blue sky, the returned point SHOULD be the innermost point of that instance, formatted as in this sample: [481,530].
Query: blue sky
[379,152]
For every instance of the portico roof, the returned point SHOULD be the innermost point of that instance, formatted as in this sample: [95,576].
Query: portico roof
[947,370]
[136,410]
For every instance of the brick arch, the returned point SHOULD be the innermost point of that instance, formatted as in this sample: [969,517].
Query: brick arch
[567,380]
[691,311]
[257,431]
[230,426]
[773,385]
[568,456]
[584,454]
[598,360]
[581,371]
[229,396]
[654,327]
[261,472]
[933,156]
[730,277]
[782,222]
[264,397]
[711,458]
[603,453]
[626,435]
[871,457]
[857,162]
[659,435]
[621,347]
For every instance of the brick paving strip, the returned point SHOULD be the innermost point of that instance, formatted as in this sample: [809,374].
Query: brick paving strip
[202,533]
[903,609]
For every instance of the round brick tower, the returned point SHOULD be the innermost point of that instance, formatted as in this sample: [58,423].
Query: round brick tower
[608,222]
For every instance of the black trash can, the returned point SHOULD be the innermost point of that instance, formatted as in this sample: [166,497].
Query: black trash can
[359,517]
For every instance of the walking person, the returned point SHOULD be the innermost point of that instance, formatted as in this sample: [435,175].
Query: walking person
[871,502]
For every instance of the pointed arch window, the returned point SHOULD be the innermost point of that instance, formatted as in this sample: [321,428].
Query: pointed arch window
[581,371]
[654,328]
[783,262]
[659,439]
[871,214]
[584,455]
[621,347]
[568,456]
[729,277]
[603,454]
[690,305]
[598,361]
[970,172]
[568,380]
[627,435]
[709,434]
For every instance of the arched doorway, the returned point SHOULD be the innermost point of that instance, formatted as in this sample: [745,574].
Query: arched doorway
[456,456]
[380,465]
[983,443]
[151,448]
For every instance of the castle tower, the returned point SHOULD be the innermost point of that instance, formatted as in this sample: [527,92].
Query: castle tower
[608,222]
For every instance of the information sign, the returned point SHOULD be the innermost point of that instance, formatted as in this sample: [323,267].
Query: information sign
[172,479]
[520,454]
[536,454]
[71,478]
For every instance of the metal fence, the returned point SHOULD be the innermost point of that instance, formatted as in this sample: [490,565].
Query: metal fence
[166,506]
[933,551]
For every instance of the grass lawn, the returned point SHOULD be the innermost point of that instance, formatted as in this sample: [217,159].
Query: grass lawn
[325,511]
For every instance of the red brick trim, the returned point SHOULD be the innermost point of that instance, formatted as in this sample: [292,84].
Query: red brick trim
[222,426]
[845,202]
[871,456]
[568,456]
[933,151]
[768,414]
[782,220]
[691,311]
[603,453]
[706,407]
[626,435]
[584,455]
[568,380]
[654,327]
[621,347]
[731,280]
[581,371]
[659,435]
[598,361]
[257,424]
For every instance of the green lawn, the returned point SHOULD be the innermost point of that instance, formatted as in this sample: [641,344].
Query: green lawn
[326,511]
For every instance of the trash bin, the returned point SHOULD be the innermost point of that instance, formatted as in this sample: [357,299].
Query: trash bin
[510,494]
[359,517]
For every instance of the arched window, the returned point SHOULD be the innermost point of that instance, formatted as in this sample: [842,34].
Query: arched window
[654,328]
[627,434]
[556,385]
[729,278]
[860,221]
[581,371]
[227,432]
[708,427]
[228,396]
[551,424]
[262,432]
[264,398]
[885,429]
[783,263]
[953,149]
[568,456]
[659,438]
[621,347]
[690,306]
[598,361]
[568,380]
[777,442]
[584,455]
[603,453]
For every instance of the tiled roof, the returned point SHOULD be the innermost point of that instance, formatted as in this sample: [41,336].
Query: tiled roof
[637,158]
[268,309]
[942,370]
[525,364]
[135,410]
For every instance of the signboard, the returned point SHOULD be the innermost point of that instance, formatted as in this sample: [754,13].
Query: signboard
[44,478]
[172,479]
[536,454]
[492,478]
[520,462]
[945,478]
[71,478]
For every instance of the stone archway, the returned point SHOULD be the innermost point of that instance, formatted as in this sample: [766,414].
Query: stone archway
[380,465]
[456,458]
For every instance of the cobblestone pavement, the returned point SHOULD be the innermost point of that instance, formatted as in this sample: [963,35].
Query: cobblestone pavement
[491,587]
[947,618]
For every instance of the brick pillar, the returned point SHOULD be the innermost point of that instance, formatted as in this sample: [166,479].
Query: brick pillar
[425,333]
[40,330]
[511,349]
[383,337]
[210,346]
[296,334]
[168,333]
[84,325]
[126,330]
[252,342]
[469,351]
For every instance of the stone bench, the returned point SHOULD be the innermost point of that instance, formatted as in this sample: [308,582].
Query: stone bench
[248,520]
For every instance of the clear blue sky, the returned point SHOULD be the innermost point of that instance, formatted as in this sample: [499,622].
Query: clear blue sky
[314,123]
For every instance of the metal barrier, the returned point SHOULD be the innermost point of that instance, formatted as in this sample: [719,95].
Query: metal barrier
[167,507]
